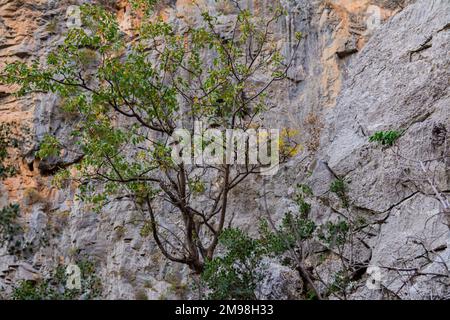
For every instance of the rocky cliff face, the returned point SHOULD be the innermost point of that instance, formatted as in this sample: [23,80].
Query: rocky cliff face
[351,78]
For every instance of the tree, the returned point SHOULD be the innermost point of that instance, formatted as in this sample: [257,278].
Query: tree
[131,94]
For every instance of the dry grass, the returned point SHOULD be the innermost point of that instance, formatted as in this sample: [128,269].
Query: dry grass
[314,126]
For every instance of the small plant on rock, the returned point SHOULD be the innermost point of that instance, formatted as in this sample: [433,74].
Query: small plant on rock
[54,287]
[6,141]
[302,192]
[339,188]
[9,226]
[334,234]
[385,138]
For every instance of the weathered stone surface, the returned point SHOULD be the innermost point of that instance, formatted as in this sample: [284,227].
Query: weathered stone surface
[281,283]
[346,83]
[399,81]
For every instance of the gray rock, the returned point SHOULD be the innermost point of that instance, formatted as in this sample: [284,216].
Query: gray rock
[397,80]
[280,283]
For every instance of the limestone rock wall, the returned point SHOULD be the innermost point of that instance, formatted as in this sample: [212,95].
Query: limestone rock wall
[399,81]
[348,81]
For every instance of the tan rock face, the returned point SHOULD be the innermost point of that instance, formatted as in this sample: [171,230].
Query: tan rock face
[351,20]
[18,23]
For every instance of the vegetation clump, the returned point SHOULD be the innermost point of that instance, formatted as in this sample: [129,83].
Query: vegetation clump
[339,188]
[55,286]
[386,138]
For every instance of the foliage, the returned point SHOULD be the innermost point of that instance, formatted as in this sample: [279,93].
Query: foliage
[11,232]
[29,290]
[385,138]
[293,230]
[49,147]
[9,226]
[334,234]
[339,283]
[141,295]
[305,189]
[314,127]
[302,192]
[197,186]
[54,288]
[7,140]
[146,229]
[289,241]
[13,235]
[339,187]
[52,26]
[288,146]
[129,98]
[91,285]
[236,274]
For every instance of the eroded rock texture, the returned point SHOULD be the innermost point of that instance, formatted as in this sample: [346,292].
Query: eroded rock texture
[348,81]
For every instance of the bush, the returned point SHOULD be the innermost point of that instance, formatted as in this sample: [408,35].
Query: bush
[235,274]
[294,229]
[54,287]
[340,189]
[9,226]
[334,234]
[385,138]
[302,192]
[30,290]
[6,141]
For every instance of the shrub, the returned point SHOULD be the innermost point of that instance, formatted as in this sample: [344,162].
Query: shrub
[385,138]
[340,189]
[235,274]
[30,290]
[334,234]
[314,127]
[6,141]
[52,26]
[10,229]
[8,221]
[293,229]
[302,192]
[141,295]
[54,287]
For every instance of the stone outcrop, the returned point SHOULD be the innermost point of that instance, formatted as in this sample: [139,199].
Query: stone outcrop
[351,78]
[399,81]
